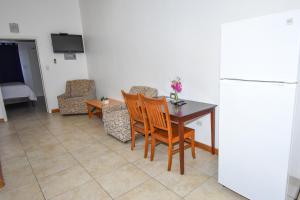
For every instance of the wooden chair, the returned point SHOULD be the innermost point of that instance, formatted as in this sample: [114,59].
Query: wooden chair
[138,121]
[1,178]
[162,129]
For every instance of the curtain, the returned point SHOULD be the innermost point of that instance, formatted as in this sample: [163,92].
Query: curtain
[10,65]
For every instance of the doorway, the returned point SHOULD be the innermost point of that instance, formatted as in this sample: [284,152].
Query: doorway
[21,80]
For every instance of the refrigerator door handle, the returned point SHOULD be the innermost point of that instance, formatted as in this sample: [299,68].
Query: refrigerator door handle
[259,81]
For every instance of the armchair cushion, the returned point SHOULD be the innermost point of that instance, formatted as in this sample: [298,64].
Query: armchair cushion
[80,88]
[117,124]
[147,91]
[116,118]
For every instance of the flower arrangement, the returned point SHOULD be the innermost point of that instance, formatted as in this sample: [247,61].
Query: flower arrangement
[176,85]
[177,88]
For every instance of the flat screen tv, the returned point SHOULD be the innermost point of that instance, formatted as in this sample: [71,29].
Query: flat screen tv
[66,43]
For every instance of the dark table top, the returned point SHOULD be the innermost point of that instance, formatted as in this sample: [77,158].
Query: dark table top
[190,110]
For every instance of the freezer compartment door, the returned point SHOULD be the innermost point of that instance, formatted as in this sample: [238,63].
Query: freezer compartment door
[264,48]
[254,137]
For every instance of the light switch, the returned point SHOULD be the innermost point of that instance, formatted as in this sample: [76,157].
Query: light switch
[290,21]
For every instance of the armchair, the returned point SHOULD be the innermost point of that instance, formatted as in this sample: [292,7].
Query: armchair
[77,92]
[116,118]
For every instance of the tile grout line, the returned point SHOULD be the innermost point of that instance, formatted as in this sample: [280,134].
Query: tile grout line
[60,143]
[133,163]
[42,125]
[38,183]
[150,177]
[80,166]
[134,187]
[93,178]
[197,187]
[155,178]
[128,163]
[110,172]
[64,153]
[16,133]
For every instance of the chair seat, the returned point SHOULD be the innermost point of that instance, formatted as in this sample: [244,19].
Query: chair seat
[162,135]
[139,127]
[162,128]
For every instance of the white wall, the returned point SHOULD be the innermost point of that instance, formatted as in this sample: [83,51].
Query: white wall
[37,20]
[149,42]
[30,67]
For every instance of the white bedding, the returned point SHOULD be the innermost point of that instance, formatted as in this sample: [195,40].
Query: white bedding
[17,90]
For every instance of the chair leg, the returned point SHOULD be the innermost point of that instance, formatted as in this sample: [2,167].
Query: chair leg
[193,146]
[132,138]
[170,156]
[146,145]
[153,142]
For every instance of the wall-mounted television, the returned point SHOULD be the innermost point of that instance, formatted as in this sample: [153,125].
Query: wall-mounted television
[67,43]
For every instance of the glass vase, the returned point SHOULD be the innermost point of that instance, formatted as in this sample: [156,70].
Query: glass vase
[174,97]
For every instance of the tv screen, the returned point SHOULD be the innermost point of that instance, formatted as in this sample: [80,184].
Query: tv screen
[65,43]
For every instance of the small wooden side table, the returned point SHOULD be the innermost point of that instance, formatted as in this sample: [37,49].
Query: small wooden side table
[94,106]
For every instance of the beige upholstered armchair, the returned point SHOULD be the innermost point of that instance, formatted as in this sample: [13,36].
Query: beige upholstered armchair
[116,118]
[77,92]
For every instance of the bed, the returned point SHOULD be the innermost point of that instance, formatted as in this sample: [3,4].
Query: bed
[16,92]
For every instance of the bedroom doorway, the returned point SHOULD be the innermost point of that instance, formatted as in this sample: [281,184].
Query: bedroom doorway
[21,80]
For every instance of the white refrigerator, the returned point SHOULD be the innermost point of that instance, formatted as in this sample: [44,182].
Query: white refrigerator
[258,104]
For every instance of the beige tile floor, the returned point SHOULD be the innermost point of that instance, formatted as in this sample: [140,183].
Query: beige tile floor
[48,156]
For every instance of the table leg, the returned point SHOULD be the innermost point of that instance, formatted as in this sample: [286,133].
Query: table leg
[212,125]
[181,146]
[90,114]
[99,112]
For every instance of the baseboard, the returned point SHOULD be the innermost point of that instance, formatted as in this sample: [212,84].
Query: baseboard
[200,145]
[2,120]
[205,147]
[55,110]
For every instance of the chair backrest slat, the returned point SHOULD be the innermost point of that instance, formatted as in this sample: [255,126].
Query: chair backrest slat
[133,106]
[158,113]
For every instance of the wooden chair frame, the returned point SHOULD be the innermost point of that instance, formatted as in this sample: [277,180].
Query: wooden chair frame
[159,120]
[1,178]
[137,118]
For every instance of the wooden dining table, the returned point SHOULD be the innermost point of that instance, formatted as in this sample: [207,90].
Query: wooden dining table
[191,110]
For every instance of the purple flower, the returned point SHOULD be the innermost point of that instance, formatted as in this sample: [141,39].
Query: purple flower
[176,85]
